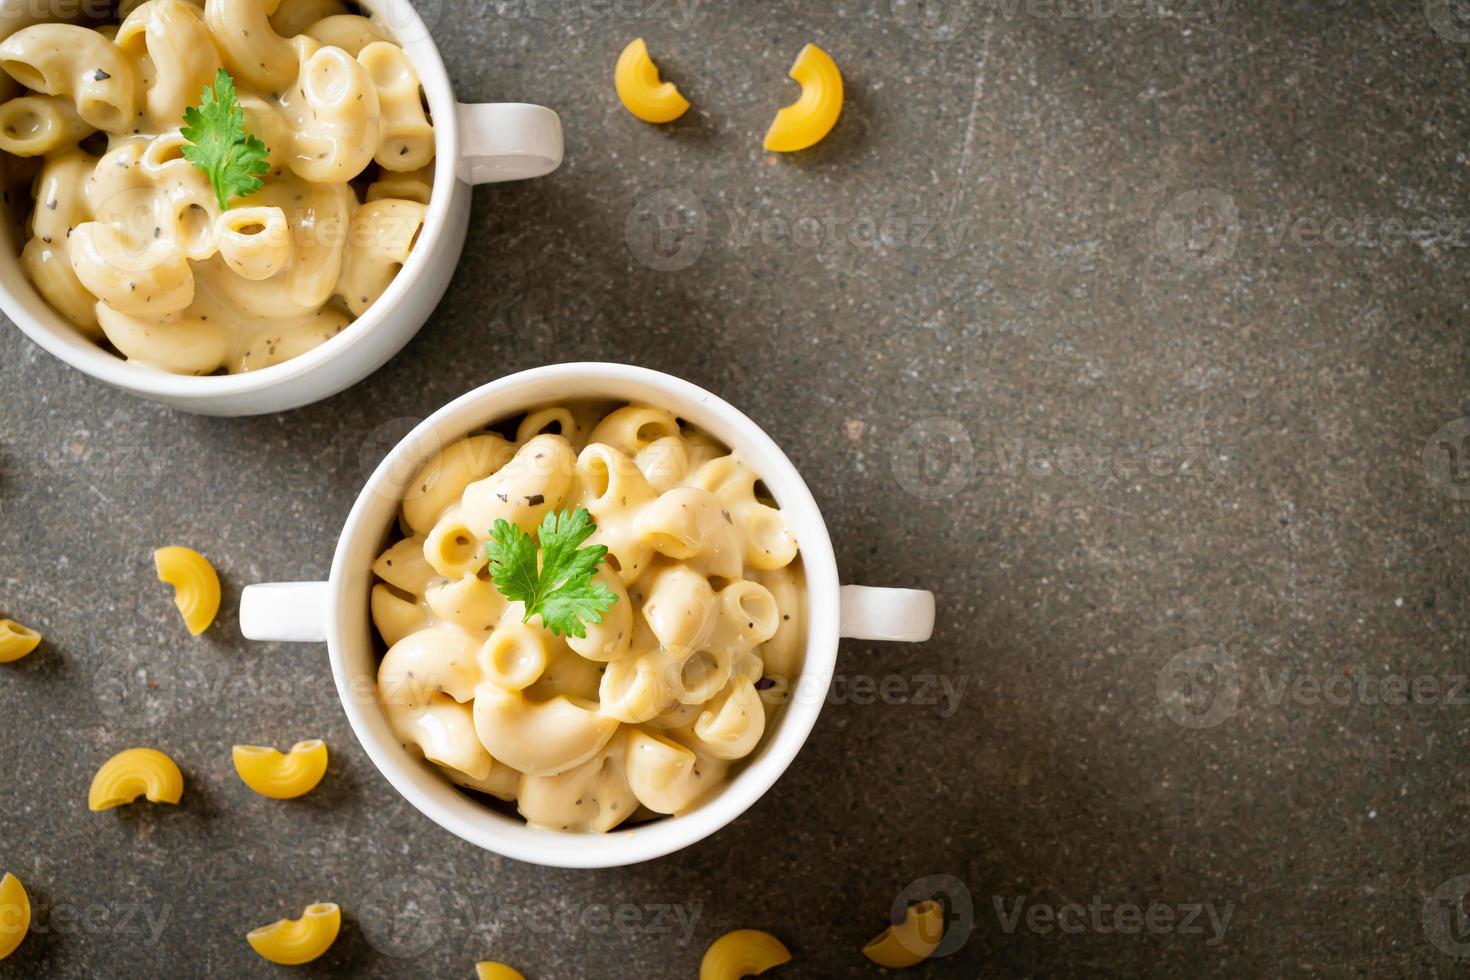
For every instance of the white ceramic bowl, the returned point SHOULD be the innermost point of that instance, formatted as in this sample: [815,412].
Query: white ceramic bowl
[475,144]
[337,611]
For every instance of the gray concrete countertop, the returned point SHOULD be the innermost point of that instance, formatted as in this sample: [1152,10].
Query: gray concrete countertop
[1135,331]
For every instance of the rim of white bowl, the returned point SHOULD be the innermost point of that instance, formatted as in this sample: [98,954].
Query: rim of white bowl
[419,782]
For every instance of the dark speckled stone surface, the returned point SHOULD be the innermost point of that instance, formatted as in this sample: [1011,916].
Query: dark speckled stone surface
[1135,330]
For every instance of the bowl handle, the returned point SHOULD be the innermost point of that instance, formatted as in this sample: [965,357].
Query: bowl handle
[295,612]
[507,141]
[886,614]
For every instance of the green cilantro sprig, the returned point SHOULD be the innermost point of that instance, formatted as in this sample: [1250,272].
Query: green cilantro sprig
[233,160]
[562,590]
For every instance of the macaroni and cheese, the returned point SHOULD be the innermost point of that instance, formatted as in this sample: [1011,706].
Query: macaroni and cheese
[131,243]
[648,710]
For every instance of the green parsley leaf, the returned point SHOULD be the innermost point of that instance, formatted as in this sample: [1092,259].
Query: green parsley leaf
[562,590]
[232,159]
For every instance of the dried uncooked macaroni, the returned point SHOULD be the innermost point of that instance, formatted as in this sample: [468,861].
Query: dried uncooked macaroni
[488,970]
[282,776]
[15,914]
[912,940]
[16,641]
[134,773]
[742,953]
[196,585]
[640,90]
[292,942]
[815,112]
[126,239]
[648,712]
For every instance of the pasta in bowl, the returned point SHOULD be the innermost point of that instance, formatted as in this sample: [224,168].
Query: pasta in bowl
[564,707]
[238,206]
[640,702]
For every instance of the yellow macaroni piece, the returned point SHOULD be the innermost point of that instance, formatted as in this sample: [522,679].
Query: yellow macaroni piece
[812,116]
[742,953]
[196,586]
[640,90]
[911,941]
[496,971]
[15,914]
[133,773]
[282,776]
[16,641]
[292,942]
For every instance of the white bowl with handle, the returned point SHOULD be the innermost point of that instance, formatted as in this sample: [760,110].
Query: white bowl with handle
[474,144]
[337,611]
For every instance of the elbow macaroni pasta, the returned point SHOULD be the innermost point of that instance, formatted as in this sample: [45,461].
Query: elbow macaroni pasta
[912,940]
[77,63]
[814,113]
[133,773]
[488,970]
[639,89]
[742,953]
[196,585]
[126,239]
[349,32]
[292,942]
[15,914]
[34,125]
[383,233]
[651,709]
[405,139]
[16,641]
[293,17]
[281,776]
